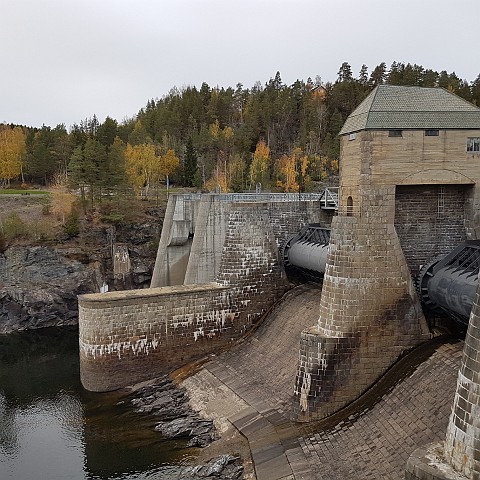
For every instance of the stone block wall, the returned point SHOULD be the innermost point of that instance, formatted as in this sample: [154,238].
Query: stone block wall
[462,445]
[413,192]
[287,218]
[369,311]
[458,457]
[129,336]
[251,260]
[430,221]
[208,216]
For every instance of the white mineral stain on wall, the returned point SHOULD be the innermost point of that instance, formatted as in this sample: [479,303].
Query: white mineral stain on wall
[142,345]
[198,333]
[304,391]
[216,319]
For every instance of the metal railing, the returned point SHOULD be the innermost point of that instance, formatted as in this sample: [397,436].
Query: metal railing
[268,197]
[329,198]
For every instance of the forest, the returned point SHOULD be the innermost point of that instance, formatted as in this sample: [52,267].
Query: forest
[283,137]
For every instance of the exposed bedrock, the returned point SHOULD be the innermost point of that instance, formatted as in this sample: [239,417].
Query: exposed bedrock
[39,288]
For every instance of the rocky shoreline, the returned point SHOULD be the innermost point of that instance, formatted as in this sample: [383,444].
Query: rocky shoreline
[39,288]
[39,284]
[169,404]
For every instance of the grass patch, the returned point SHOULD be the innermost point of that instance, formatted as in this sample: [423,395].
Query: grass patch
[17,191]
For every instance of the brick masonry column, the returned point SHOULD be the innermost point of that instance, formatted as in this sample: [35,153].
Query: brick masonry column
[369,311]
[462,445]
[459,456]
[250,262]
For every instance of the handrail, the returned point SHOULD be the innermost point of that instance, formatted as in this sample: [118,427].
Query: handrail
[329,199]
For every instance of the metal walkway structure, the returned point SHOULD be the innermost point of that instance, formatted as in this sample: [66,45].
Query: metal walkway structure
[329,199]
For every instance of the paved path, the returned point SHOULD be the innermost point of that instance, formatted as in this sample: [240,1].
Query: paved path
[252,386]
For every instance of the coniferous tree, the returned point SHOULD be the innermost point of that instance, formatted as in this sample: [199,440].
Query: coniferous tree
[190,167]
[363,75]
[107,132]
[377,77]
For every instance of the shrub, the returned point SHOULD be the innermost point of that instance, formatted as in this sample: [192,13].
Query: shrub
[13,227]
[72,224]
[116,219]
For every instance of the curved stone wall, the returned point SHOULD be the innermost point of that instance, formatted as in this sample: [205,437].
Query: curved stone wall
[462,445]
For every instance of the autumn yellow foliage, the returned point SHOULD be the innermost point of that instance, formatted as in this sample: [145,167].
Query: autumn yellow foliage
[145,168]
[260,166]
[12,152]
[291,170]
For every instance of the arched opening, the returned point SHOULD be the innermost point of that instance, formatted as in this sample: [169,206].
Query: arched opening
[349,206]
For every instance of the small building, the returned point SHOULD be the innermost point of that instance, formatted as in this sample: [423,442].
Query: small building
[425,142]
[409,170]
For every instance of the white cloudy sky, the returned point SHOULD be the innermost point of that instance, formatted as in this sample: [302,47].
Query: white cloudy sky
[64,60]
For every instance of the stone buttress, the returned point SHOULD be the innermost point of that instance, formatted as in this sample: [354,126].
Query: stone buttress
[407,160]
[369,312]
[462,445]
[458,457]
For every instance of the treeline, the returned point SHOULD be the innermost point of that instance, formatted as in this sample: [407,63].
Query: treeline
[277,135]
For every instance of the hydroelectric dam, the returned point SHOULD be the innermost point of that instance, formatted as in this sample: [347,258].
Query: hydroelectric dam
[402,229]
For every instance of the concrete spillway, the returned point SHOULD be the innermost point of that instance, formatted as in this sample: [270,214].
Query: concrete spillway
[250,387]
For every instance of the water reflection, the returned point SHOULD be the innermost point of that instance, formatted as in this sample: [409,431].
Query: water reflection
[51,428]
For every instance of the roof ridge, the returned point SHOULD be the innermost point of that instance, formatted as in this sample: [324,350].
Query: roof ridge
[412,106]
[374,92]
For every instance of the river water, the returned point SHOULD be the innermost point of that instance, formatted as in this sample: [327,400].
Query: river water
[51,428]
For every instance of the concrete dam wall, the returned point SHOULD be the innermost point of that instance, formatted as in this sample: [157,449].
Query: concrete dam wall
[234,274]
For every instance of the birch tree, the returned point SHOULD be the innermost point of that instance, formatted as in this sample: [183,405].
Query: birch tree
[12,153]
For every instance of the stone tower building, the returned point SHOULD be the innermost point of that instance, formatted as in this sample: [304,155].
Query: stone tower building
[409,169]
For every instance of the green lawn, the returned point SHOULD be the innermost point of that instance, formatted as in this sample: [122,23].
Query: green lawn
[14,191]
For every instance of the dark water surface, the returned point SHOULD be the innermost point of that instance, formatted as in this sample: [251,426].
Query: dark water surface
[51,428]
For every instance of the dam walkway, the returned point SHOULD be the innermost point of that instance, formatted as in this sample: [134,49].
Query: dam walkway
[251,387]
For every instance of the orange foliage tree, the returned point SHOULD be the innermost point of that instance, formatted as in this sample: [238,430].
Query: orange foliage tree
[291,171]
[260,166]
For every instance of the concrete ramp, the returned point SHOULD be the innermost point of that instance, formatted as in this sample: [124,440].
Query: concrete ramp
[251,385]
[265,364]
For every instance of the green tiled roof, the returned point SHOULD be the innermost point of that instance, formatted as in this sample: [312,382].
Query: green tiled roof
[396,107]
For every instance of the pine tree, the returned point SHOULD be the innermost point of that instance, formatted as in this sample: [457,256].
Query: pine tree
[190,164]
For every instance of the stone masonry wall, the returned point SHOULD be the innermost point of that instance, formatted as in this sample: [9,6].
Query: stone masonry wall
[209,215]
[129,336]
[458,457]
[287,218]
[462,445]
[250,259]
[369,312]
[430,221]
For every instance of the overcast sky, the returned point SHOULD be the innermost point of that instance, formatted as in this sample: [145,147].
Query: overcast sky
[65,60]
